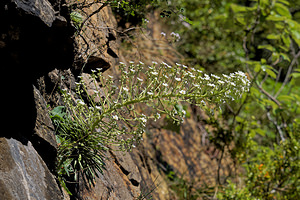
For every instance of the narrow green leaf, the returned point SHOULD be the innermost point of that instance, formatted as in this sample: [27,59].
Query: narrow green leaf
[285,98]
[284,2]
[296,36]
[275,18]
[271,103]
[260,131]
[237,8]
[271,73]
[286,40]
[273,36]
[239,119]
[282,10]
[257,68]
[267,46]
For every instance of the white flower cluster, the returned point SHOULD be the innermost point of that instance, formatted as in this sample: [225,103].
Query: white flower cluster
[181,81]
[176,36]
[158,87]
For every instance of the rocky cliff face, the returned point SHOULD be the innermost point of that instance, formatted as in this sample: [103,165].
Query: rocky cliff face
[41,53]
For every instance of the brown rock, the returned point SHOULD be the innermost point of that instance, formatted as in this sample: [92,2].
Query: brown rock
[96,40]
[92,87]
[185,154]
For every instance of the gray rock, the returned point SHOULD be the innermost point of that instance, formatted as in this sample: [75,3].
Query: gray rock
[115,182]
[38,8]
[23,174]
[43,125]
[43,138]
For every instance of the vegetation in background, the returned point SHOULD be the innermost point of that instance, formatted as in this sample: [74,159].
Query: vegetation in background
[261,128]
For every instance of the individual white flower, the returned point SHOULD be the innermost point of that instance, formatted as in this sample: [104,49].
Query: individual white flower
[183,112]
[215,76]
[165,76]
[115,117]
[240,73]
[98,107]
[153,62]
[182,92]
[79,101]
[121,63]
[206,77]
[132,70]
[192,75]
[99,69]
[143,119]
[163,34]
[131,62]
[139,79]
[164,63]
[225,76]
[178,79]
[133,146]
[176,36]
[211,85]
[157,116]
[221,82]
[110,76]
[154,73]
[178,64]
[232,75]
[141,63]
[150,93]
[96,91]
[165,84]
[184,66]
[93,70]
[196,85]
[126,89]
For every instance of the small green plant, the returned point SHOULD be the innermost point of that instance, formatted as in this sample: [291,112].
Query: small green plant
[80,154]
[118,112]
[76,18]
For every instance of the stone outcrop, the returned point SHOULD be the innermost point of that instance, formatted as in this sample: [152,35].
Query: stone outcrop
[41,46]
[23,174]
[34,39]
[39,8]
[96,39]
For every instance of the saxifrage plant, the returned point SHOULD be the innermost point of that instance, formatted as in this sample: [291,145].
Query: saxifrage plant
[117,113]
